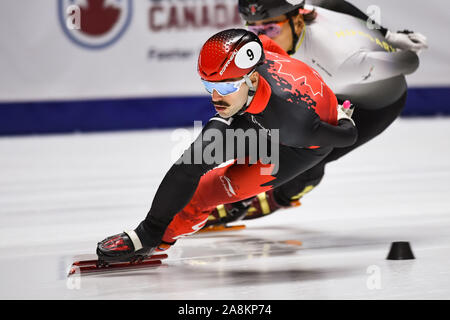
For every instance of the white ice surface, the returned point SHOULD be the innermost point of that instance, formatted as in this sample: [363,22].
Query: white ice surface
[61,194]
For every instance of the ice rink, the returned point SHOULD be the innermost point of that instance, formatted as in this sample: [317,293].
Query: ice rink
[61,194]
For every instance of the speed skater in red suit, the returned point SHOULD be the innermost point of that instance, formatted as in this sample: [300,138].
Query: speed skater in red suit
[295,115]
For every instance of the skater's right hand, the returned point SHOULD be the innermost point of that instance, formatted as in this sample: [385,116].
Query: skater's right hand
[407,40]
[345,111]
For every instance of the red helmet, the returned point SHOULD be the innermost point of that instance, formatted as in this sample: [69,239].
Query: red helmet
[229,54]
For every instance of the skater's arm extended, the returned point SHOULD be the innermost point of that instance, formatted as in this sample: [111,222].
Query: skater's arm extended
[370,66]
[346,8]
[391,64]
[181,181]
[405,40]
[323,134]
[304,128]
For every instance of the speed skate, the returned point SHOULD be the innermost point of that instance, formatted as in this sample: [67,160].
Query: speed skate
[222,228]
[96,266]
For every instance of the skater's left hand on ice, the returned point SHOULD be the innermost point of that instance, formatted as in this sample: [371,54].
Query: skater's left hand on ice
[407,40]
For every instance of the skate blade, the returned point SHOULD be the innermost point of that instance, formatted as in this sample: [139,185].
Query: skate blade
[222,228]
[93,266]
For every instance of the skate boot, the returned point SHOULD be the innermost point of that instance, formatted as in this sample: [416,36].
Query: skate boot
[123,247]
[229,212]
[265,203]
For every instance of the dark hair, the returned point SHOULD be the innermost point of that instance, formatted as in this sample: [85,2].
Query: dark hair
[308,17]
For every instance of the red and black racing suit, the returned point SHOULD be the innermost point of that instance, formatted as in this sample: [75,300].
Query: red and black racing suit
[291,98]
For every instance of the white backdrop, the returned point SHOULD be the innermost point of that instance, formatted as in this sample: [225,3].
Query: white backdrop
[152,48]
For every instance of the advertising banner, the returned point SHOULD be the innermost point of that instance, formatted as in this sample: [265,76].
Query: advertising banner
[87,65]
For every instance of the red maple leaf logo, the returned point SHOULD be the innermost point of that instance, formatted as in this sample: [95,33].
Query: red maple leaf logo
[96,19]
[295,72]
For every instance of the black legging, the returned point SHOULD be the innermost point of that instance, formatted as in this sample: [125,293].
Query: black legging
[370,123]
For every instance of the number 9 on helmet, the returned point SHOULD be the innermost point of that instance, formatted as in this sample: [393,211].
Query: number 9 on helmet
[230,54]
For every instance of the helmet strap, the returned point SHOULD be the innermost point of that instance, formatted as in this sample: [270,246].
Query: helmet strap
[251,88]
[295,37]
[251,92]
